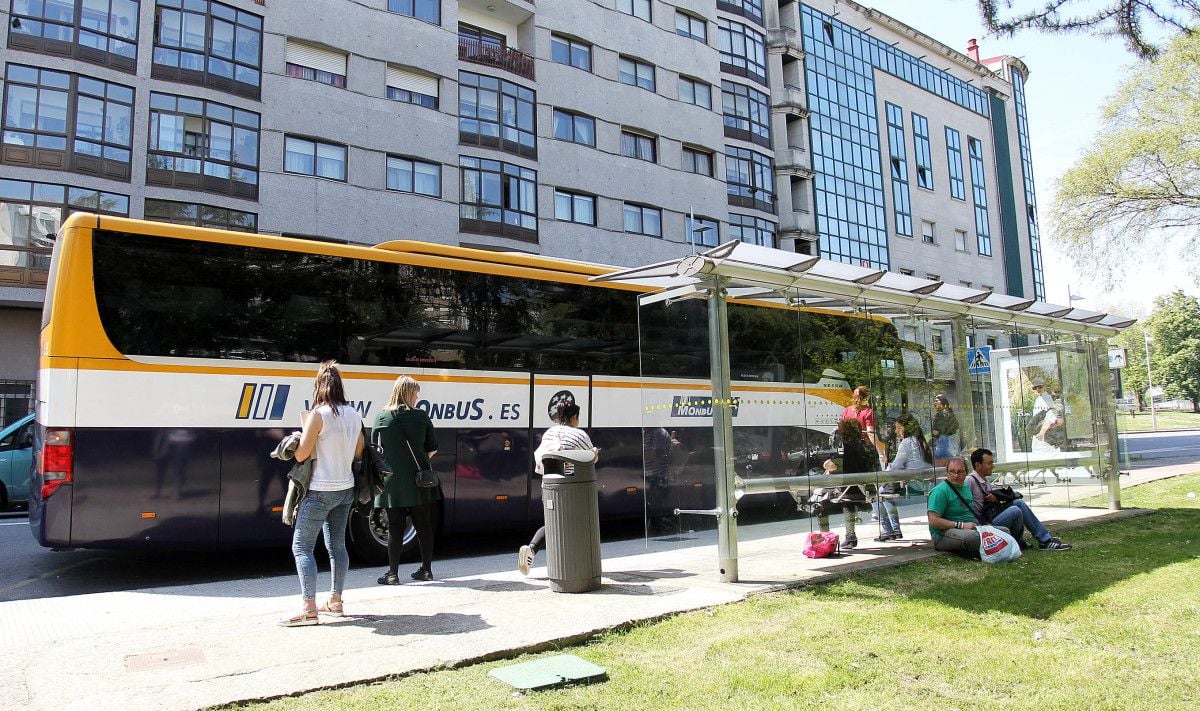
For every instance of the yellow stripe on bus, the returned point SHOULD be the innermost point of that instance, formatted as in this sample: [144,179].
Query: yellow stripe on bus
[247,398]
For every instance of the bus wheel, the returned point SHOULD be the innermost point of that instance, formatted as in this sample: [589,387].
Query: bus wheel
[367,536]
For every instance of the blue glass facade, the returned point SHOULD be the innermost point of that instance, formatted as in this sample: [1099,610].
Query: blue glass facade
[1031,219]
[958,187]
[840,65]
[924,154]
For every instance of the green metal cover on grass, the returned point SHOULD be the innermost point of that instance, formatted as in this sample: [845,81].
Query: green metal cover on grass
[549,672]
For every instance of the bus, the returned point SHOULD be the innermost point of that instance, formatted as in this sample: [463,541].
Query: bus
[173,360]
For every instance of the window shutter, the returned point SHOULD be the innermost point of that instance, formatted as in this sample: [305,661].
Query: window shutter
[412,81]
[325,60]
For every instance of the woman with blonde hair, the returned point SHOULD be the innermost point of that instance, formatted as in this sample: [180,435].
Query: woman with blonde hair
[409,443]
[332,436]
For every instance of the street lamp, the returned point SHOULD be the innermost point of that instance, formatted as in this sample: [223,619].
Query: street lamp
[1150,387]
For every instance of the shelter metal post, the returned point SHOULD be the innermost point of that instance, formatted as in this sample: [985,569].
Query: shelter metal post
[966,389]
[718,347]
[1106,417]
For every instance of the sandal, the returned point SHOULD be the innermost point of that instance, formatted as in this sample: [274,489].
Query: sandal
[333,609]
[304,619]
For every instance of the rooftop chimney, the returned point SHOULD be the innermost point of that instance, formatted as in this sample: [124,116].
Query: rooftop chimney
[973,49]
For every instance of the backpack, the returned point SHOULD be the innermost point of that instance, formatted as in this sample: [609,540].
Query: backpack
[821,544]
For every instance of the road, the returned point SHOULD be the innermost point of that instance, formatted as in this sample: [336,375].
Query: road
[28,571]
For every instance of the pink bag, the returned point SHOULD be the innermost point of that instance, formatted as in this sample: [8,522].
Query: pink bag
[820,544]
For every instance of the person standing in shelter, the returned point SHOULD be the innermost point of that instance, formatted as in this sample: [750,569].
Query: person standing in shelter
[945,431]
[912,452]
[563,435]
[860,409]
[409,443]
[858,456]
[332,436]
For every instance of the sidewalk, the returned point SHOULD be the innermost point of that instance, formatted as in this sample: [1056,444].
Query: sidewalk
[198,645]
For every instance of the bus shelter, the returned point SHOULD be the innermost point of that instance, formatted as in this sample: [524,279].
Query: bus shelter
[749,355]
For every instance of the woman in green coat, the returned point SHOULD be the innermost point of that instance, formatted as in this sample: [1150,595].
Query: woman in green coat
[409,443]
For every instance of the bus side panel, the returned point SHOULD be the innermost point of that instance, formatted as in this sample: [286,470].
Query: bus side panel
[620,484]
[491,479]
[151,488]
[253,486]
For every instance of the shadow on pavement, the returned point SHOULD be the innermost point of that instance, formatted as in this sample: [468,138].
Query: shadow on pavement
[440,623]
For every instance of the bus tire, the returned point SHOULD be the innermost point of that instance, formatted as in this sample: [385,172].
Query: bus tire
[367,536]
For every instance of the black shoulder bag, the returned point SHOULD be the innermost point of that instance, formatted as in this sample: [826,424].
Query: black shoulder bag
[426,478]
[370,472]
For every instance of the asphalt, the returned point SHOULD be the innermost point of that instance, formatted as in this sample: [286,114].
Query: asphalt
[193,646]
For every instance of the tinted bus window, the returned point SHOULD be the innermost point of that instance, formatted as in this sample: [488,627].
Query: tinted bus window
[171,297]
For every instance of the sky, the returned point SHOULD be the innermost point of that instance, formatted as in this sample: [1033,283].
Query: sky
[1070,78]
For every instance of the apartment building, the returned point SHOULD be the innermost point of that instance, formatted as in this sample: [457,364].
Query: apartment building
[616,131]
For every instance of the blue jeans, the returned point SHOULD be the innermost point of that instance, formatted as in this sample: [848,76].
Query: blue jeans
[889,517]
[1017,517]
[326,511]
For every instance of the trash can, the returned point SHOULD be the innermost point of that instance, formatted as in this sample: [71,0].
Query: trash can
[572,522]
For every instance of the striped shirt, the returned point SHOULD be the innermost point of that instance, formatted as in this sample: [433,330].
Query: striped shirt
[557,438]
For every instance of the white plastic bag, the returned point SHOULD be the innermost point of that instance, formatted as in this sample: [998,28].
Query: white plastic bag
[997,546]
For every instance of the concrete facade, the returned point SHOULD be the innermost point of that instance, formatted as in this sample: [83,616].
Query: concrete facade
[360,116]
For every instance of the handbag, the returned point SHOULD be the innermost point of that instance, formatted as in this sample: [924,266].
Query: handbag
[822,544]
[1005,495]
[425,478]
[369,473]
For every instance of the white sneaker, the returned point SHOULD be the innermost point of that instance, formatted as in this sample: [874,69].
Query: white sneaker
[524,559]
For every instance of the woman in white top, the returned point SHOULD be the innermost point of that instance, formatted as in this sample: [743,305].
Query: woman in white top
[332,436]
[564,435]
[912,452]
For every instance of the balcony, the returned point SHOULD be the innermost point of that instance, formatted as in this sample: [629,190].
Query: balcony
[793,162]
[798,225]
[510,60]
[791,100]
[785,41]
[27,267]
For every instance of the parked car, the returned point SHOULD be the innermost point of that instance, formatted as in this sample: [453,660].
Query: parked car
[16,457]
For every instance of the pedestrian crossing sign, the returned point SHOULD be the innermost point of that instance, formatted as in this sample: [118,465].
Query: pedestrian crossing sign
[979,360]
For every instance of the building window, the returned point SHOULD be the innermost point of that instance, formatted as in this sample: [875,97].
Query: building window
[484,40]
[189,213]
[937,340]
[691,26]
[424,10]
[694,91]
[983,230]
[927,235]
[1031,220]
[412,87]
[751,9]
[33,213]
[202,145]
[640,146]
[316,158]
[958,188]
[752,230]
[638,8]
[702,231]
[498,198]
[407,175]
[574,207]
[306,61]
[643,220]
[636,73]
[66,121]
[698,160]
[208,43]
[923,155]
[960,240]
[573,127]
[749,179]
[899,164]
[98,31]
[747,113]
[494,113]
[743,51]
[574,53]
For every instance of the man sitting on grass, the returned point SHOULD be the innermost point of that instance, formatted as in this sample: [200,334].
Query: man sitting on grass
[951,521]
[1016,517]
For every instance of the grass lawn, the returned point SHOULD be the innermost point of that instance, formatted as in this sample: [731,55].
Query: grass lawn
[1167,420]
[1113,624]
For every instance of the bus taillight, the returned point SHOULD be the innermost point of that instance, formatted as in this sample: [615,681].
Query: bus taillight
[57,462]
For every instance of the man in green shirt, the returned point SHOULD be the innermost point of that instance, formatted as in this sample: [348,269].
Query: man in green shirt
[950,521]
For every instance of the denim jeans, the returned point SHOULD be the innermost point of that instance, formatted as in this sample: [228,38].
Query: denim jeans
[1017,517]
[889,517]
[326,511]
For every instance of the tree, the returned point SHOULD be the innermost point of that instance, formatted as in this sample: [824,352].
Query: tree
[1128,19]
[1135,194]
[1133,375]
[1175,330]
